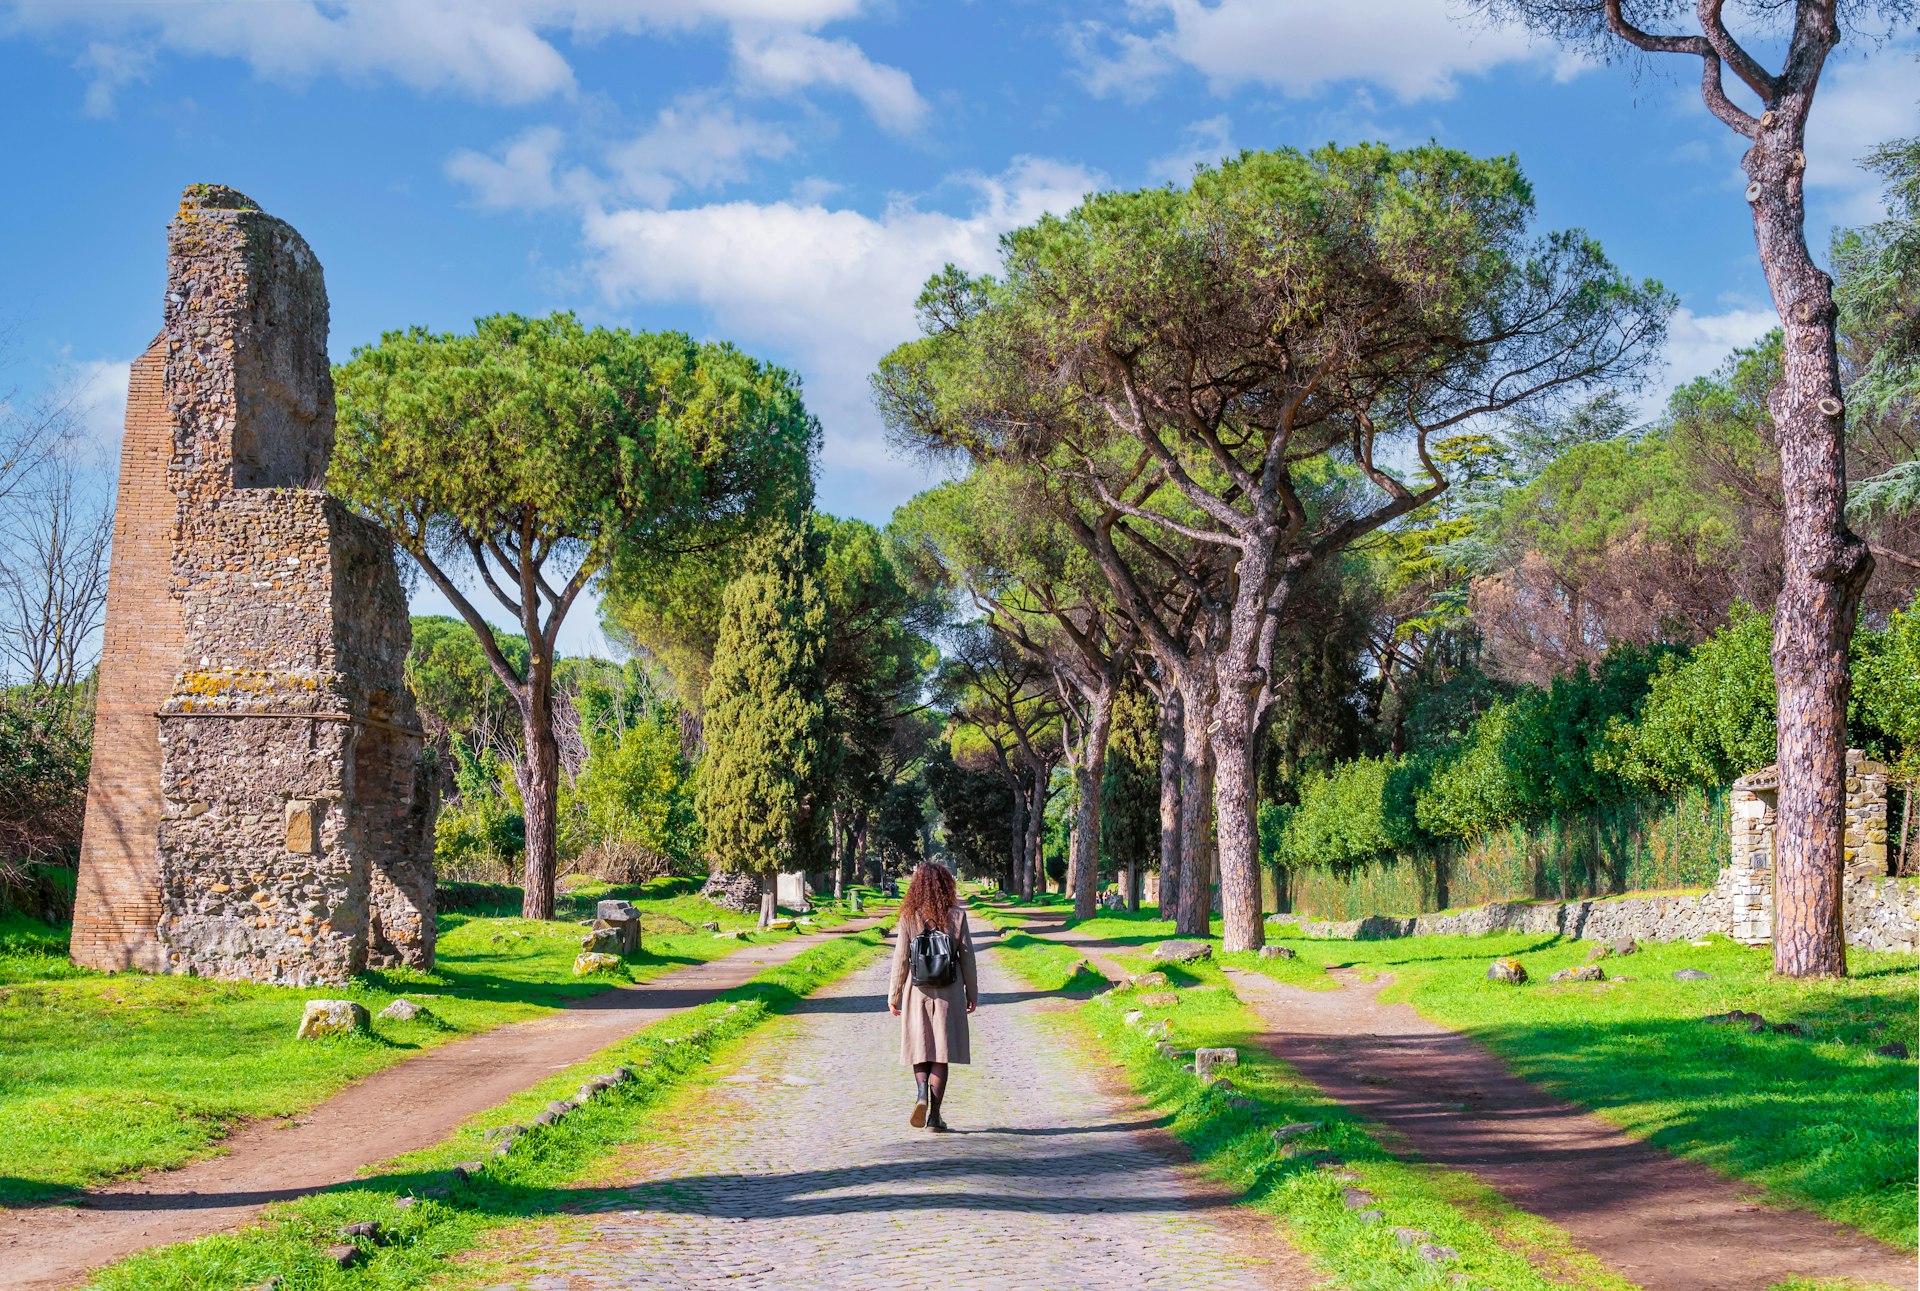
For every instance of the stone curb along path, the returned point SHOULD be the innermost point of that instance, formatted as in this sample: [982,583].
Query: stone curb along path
[1666,1223]
[402,1108]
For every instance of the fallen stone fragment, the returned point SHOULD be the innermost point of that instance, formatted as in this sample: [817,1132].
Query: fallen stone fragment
[1625,946]
[1738,1017]
[1205,1060]
[365,1228]
[1435,1254]
[332,1017]
[1182,952]
[711,925]
[465,1170]
[1148,979]
[545,1118]
[1690,975]
[405,1203]
[403,1010]
[780,925]
[343,1254]
[734,935]
[1892,1050]
[1511,971]
[1787,1028]
[560,1106]
[1242,1104]
[1410,1236]
[1277,952]
[1159,999]
[1583,973]
[1296,1130]
[1356,1198]
[1371,1216]
[593,961]
[1599,952]
[1133,1017]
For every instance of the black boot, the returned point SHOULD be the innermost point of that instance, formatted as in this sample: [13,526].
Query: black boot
[919,1117]
[933,1118]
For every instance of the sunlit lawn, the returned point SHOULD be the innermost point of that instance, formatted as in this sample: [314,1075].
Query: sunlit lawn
[105,1075]
[1822,1120]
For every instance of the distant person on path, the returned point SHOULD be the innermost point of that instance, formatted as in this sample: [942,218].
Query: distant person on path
[935,986]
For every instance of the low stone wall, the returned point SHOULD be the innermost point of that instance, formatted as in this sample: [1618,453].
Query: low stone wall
[1882,914]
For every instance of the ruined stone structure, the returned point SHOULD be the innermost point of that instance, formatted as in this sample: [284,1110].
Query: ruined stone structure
[1748,879]
[258,807]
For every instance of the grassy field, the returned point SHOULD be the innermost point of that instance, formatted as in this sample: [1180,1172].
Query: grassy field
[1820,1121]
[108,1075]
[1493,1243]
[433,1241]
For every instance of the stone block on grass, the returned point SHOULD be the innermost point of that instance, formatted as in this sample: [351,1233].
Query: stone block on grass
[1690,975]
[1147,979]
[1510,971]
[1582,973]
[404,1010]
[332,1017]
[1205,1060]
[594,961]
[1159,999]
[1182,952]
[1276,952]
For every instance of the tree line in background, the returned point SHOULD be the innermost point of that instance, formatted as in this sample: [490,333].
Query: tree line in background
[1299,514]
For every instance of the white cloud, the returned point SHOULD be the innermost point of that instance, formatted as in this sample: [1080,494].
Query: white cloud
[831,288]
[100,402]
[1203,144]
[1415,48]
[692,144]
[519,176]
[1861,102]
[487,49]
[1699,343]
[788,62]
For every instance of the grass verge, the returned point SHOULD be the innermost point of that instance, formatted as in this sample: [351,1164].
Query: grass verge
[448,1216]
[108,1075]
[1819,1121]
[1229,1129]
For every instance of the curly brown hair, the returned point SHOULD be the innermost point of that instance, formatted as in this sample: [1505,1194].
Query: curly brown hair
[930,896]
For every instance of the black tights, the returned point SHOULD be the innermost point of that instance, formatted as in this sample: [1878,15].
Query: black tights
[935,1074]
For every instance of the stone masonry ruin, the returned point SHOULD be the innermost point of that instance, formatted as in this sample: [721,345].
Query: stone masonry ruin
[258,806]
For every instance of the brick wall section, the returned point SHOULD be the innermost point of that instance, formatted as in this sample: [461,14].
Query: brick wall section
[292,828]
[118,902]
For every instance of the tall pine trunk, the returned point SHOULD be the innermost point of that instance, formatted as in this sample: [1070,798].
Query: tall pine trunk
[1017,875]
[1196,801]
[1037,832]
[539,780]
[1084,868]
[1239,840]
[1172,738]
[1827,566]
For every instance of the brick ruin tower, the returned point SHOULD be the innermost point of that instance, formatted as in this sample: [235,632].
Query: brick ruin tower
[258,807]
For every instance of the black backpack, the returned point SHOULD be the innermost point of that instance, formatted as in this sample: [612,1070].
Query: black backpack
[932,958]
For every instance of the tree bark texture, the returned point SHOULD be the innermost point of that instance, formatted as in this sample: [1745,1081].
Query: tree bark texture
[539,777]
[1196,803]
[1084,868]
[1172,739]
[1037,831]
[1826,565]
[1239,841]
[1019,878]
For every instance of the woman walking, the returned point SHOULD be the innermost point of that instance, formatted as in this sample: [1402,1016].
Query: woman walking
[934,986]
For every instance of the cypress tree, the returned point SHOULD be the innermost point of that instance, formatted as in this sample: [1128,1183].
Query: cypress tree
[766,783]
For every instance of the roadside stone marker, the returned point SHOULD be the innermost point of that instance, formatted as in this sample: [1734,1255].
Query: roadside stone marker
[332,1017]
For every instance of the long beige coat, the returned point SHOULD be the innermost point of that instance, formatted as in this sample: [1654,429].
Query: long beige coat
[933,1019]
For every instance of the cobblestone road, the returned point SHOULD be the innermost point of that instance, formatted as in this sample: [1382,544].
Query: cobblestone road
[801,1172]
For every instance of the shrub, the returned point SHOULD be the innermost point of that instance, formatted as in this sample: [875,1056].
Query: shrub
[635,796]
[1345,816]
[46,737]
[1708,718]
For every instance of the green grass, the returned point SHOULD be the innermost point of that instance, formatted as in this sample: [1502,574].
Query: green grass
[541,1177]
[108,1075]
[1821,1123]
[1495,1243]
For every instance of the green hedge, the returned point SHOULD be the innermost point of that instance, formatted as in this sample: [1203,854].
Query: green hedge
[1596,746]
[1680,842]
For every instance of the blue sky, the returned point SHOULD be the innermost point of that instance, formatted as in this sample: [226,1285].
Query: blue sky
[785,173]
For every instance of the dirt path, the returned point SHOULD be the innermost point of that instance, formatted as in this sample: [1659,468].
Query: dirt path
[1669,1224]
[798,1171]
[402,1108]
